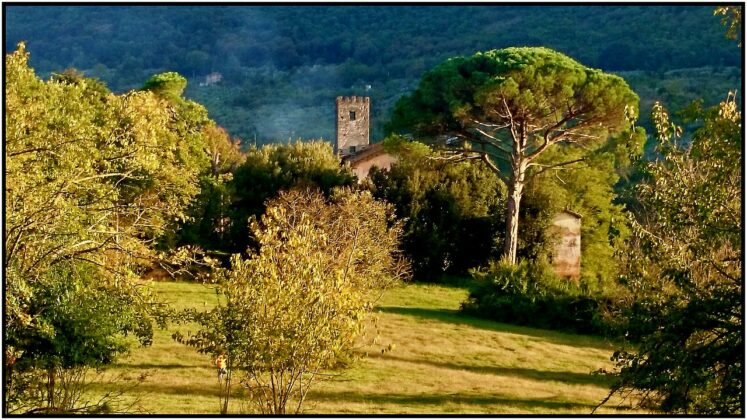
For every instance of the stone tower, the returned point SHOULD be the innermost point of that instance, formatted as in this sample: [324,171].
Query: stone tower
[352,124]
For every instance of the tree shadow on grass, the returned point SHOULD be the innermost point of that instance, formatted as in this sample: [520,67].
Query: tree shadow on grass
[186,389]
[455,317]
[155,366]
[573,378]
[527,404]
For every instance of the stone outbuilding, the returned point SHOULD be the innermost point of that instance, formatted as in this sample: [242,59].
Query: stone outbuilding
[352,144]
[566,252]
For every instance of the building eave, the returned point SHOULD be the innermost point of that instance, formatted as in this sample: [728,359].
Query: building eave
[371,151]
[572,213]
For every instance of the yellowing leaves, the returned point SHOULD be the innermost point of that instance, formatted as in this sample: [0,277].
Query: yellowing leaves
[93,179]
[297,305]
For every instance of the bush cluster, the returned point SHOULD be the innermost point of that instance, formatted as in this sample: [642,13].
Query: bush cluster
[452,212]
[529,293]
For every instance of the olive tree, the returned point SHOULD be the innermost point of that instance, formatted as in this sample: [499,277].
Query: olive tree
[507,107]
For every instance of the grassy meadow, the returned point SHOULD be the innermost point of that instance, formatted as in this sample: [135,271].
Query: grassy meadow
[441,362]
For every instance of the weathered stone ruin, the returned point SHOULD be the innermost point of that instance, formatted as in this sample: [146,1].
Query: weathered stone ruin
[566,253]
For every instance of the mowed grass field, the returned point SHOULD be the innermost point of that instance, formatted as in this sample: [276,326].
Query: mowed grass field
[442,362]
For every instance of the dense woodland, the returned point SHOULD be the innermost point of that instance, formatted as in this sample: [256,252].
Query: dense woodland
[282,67]
[110,185]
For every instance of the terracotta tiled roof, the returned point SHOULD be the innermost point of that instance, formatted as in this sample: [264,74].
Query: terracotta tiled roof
[373,150]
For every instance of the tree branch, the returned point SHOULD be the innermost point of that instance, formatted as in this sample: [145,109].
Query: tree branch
[546,168]
[549,141]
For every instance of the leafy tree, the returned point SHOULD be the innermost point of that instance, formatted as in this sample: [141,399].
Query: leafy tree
[209,214]
[273,168]
[224,152]
[169,84]
[298,304]
[684,271]
[78,324]
[508,107]
[188,119]
[189,122]
[93,180]
[452,212]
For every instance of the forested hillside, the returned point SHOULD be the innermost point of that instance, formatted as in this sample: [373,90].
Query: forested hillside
[531,199]
[282,67]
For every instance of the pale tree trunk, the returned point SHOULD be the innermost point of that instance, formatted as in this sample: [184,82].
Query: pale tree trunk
[520,158]
[515,183]
[515,192]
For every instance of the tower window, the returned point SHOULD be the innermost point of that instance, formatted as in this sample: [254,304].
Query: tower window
[352,115]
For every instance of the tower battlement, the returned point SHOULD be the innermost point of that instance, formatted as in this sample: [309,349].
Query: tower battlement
[353,100]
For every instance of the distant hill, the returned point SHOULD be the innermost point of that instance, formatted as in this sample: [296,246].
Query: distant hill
[282,66]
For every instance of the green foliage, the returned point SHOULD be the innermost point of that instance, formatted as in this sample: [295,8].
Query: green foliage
[452,212]
[278,84]
[203,147]
[683,269]
[81,325]
[525,112]
[86,327]
[188,119]
[208,224]
[273,168]
[209,213]
[528,293]
[531,81]
[169,84]
[297,305]
[93,180]
[590,189]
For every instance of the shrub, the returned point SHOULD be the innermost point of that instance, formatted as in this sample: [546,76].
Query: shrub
[298,304]
[528,293]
